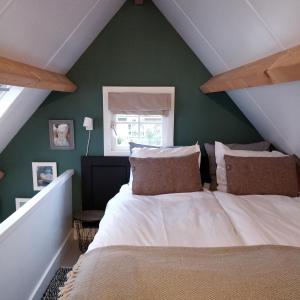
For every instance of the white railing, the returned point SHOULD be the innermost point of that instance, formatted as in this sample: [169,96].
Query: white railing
[32,239]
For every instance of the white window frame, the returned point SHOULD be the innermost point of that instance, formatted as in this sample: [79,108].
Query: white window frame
[168,121]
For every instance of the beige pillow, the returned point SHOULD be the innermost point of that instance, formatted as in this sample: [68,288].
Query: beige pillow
[154,176]
[222,150]
[261,175]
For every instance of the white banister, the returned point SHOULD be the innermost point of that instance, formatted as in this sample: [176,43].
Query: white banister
[32,238]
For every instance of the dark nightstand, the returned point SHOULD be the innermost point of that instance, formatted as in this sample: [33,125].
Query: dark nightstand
[86,223]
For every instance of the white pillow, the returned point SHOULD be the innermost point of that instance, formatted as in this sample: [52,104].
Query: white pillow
[221,150]
[164,152]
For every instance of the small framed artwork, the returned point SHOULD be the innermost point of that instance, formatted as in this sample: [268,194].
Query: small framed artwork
[61,134]
[43,173]
[20,202]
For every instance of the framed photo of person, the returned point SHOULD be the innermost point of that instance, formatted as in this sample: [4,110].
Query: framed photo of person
[43,173]
[61,134]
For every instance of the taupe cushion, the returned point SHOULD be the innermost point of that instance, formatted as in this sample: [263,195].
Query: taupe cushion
[261,175]
[154,176]
[210,150]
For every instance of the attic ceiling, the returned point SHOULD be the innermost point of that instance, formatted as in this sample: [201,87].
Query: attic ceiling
[224,34]
[227,34]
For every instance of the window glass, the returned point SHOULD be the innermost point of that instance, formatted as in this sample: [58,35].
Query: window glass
[3,90]
[139,129]
[8,94]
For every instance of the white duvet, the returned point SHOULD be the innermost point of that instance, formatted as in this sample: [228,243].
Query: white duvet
[200,219]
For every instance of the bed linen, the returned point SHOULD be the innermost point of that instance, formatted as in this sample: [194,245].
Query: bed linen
[199,219]
[263,219]
[201,245]
[183,219]
[168,273]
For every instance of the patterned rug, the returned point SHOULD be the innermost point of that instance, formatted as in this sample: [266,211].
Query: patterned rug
[57,281]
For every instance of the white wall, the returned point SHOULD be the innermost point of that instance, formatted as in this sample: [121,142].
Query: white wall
[32,238]
[227,33]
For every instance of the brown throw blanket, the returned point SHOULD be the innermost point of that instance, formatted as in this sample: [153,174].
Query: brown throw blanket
[126,272]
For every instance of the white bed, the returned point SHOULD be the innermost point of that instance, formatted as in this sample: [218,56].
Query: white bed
[199,219]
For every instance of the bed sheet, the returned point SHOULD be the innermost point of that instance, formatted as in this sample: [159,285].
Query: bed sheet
[199,219]
[185,219]
[263,219]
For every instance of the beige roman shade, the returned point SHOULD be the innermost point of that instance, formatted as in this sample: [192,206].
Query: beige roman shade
[139,103]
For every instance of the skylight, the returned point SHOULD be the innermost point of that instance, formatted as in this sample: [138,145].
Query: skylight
[3,90]
[8,94]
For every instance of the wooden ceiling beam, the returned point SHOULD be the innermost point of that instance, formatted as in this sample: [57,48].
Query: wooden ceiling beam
[19,74]
[277,68]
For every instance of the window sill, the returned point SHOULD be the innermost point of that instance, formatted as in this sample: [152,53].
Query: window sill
[116,153]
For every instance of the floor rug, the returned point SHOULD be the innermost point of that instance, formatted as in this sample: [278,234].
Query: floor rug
[57,281]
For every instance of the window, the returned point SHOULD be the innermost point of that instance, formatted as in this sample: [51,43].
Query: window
[3,90]
[150,125]
[8,95]
[141,129]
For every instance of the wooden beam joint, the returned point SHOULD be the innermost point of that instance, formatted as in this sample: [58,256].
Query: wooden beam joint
[277,68]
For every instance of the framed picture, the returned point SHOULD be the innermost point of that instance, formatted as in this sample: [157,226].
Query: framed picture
[20,202]
[43,173]
[61,134]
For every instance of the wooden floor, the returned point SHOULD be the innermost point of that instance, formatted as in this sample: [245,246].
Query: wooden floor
[71,253]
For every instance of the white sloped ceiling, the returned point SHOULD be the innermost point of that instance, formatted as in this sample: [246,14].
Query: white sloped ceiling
[47,34]
[225,34]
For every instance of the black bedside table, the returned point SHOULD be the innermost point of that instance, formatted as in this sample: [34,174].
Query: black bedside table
[86,223]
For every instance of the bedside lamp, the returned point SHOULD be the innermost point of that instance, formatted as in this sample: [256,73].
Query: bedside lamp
[2,174]
[88,124]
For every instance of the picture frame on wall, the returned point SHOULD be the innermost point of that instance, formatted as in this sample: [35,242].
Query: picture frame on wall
[43,173]
[61,134]
[20,202]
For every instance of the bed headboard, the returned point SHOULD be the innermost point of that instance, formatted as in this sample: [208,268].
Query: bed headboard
[101,178]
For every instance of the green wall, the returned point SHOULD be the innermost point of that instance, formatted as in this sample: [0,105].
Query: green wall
[138,47]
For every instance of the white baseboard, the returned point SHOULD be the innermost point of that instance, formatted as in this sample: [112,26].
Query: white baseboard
[50,270]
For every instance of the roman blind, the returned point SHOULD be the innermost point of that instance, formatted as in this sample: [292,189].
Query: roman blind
[139,103]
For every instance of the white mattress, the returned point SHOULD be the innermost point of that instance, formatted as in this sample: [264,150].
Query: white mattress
[200,219]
